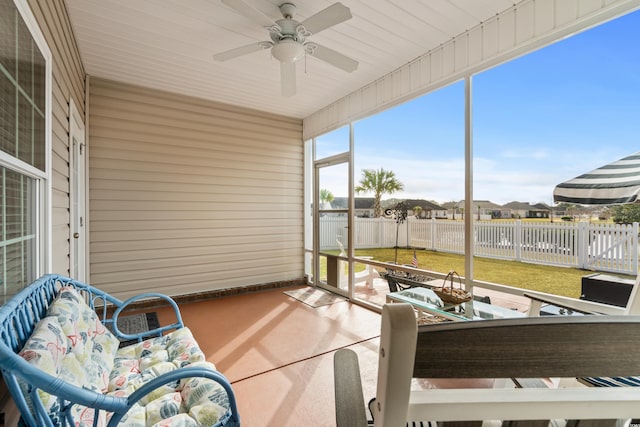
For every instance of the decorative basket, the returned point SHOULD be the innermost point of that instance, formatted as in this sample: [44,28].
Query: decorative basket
[429,320]
[448,293]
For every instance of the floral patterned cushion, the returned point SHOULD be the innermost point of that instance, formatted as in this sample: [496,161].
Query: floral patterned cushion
[205,400]
[49,349]
[180,420]
[92,343]
[191,401]
[45,349]
[72,344]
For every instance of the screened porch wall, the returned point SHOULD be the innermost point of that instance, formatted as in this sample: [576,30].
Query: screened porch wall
[190,196]
[526,26]
[67,82]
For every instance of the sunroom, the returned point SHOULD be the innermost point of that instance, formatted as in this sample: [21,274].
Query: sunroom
[135,160]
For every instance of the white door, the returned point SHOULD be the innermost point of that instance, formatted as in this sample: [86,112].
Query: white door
[77,195]
[332,224]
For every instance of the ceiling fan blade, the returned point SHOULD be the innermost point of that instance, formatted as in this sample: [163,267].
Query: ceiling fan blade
[288,78]
[334,14]
[239,51]
[334,58]
[249,12]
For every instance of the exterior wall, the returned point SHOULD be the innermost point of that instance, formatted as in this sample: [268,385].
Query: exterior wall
[68,82]
[190,196]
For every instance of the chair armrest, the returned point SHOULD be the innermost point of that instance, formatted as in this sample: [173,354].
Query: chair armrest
[350,409]
[153,332]
[177,375]
[580,306]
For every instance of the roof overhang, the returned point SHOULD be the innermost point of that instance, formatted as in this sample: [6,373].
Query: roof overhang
[404,48]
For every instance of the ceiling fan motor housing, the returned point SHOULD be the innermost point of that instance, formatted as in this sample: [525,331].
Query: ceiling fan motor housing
[288,9]
[288,36]
[288,29]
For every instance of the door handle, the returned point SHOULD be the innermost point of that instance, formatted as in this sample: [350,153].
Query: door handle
[76,235]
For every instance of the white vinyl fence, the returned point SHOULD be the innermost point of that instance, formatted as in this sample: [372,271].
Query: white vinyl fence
[601,247]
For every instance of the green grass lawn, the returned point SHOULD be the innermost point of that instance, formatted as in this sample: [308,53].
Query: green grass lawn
[554,280]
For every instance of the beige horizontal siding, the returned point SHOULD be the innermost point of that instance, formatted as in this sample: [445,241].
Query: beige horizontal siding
[68,82]
[190,196]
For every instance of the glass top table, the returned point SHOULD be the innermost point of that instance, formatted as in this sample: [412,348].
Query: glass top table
[424,300]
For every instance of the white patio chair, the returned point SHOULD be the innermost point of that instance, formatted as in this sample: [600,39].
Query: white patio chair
[367,275]
[582,306]
[505,348]
[587,307]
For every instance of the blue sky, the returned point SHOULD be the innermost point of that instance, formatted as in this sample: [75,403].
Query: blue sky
[538,120]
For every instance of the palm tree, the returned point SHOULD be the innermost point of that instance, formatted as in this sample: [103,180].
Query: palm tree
[326,196]
[378,182]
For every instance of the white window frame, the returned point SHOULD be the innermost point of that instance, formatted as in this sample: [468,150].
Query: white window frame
[43,191]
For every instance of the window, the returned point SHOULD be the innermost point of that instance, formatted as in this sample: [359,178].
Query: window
[24,69]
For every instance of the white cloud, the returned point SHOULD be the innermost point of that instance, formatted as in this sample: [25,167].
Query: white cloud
[525,153]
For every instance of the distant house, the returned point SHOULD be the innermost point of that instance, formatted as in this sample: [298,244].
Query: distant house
[363,205]
[453,210]
[485,210]
[525,210]
[559,211]
[427,209]
[542,210]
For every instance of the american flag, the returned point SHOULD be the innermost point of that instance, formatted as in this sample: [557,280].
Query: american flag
[414,261]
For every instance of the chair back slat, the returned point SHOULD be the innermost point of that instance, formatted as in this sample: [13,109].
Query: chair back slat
[549,346]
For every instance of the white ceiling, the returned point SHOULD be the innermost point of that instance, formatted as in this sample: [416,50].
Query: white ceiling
[169,45]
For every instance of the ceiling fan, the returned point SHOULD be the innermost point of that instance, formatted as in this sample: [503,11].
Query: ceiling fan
[289,39]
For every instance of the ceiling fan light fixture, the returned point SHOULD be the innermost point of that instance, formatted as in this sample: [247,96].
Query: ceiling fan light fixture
[288,51]
[289,39]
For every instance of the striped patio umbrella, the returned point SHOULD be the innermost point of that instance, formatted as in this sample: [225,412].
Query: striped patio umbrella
[614,183]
